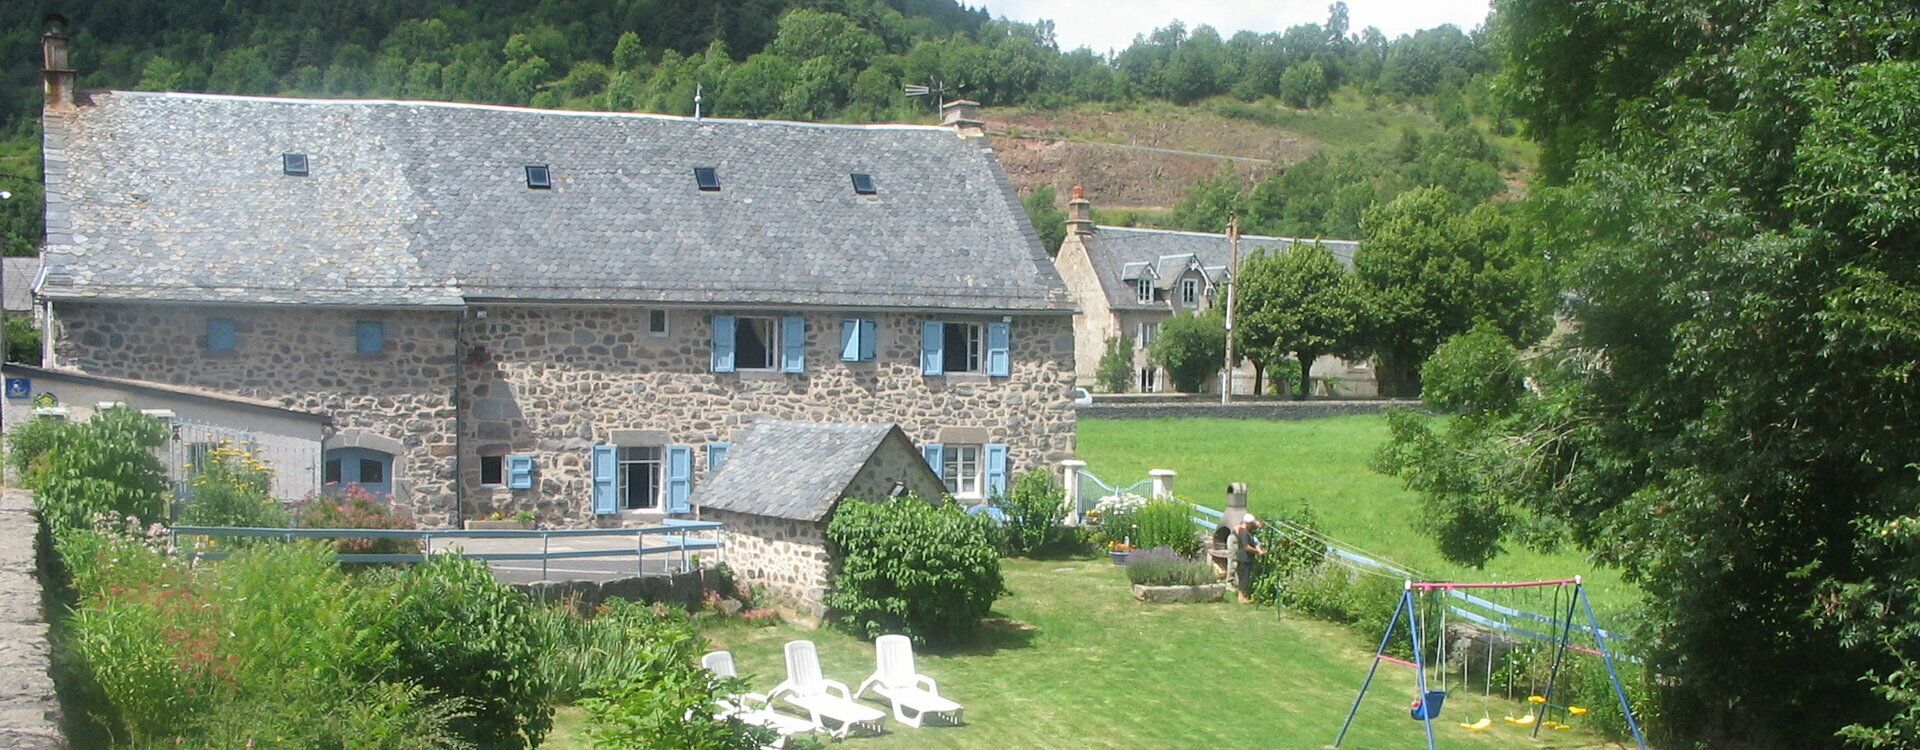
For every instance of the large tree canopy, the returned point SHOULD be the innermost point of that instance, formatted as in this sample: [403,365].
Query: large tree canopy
[1299,302]
[1731,419]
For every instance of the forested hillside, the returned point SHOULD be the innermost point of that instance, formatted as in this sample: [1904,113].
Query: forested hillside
[841,60]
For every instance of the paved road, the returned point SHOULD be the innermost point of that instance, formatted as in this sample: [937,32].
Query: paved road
[568,569]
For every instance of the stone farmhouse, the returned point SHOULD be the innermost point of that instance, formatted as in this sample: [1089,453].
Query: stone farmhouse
[1127,281]
[575,313]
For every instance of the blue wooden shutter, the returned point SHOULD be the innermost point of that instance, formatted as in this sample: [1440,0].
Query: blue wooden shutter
[935,453]
[866,339]
[850,339]
[723,343]
[793,344]
[519,472]
[996,470]
[932,333]
[679,477]
[716,452]
[999,356]
[368,336]
[220,334]
[605,490]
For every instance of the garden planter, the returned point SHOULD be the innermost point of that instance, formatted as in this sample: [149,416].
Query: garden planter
[1211,592]
[499,525]
[1119,557]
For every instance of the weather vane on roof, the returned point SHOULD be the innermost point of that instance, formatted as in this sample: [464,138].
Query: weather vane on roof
[938,91]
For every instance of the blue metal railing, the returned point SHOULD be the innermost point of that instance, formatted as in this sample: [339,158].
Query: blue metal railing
[672,531]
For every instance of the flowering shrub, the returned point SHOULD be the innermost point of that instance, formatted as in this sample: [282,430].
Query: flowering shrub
[1161,566]
[229,488]
[355,508]
[1114,516]
[105,464]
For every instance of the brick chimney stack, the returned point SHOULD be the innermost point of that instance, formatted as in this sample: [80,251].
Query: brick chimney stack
[54,71]
[1080,214]
[964,116]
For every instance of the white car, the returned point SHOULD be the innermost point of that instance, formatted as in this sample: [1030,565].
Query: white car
[1081,397]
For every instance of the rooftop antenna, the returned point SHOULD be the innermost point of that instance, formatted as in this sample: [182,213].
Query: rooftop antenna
[697,88]
[938,91]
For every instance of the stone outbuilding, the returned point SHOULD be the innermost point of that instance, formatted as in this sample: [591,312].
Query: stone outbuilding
[779,486]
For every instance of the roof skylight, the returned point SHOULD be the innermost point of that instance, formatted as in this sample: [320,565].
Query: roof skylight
[538,178]
[294,164]
[863,183]
[707,178]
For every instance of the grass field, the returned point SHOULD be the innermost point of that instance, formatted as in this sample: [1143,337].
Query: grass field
[1324,463]
[1075,662]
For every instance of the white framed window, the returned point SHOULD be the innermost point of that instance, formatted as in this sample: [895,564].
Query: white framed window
[1144,333]
[962,470]
[638,477]
[657,323]
[1190,292]
[962,346]
[1149,380]
[756,343]
[1143,289]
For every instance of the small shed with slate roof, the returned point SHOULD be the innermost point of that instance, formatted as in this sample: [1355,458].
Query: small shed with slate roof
[781,482]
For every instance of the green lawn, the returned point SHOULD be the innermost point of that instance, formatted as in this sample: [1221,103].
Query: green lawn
[1322,462]
[1075,662]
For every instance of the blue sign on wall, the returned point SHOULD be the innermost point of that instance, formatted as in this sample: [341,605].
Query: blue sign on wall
[19,387]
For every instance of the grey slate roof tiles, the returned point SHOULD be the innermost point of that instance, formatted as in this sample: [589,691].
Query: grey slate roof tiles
[1117,254]
[794,470]
[182,197]
[17,279]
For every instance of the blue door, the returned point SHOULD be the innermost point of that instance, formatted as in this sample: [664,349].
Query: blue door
[370,469]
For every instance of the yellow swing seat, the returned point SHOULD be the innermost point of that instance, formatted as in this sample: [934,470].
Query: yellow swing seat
[1576,710]
[1524,721]
[1478,726]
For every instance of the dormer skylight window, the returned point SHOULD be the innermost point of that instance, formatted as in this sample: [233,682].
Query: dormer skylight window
[538,178]
[294,164]
[863,184]
[708,179]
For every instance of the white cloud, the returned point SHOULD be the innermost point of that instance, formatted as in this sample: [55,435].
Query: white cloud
[1110,25]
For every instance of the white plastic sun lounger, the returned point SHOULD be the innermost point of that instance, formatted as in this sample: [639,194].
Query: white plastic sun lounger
[912,694]
[827,702]
[752,708]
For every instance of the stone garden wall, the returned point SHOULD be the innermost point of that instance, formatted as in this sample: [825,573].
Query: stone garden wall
[786,559]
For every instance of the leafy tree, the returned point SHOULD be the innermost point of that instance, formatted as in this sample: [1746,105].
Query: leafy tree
[1192,348]
[23,340]
[1431,270]
[105,465]
[1043,210]
[1305,86]
[460,632]
[941,597]
[1034,507]
[1300,301]
[1115,369]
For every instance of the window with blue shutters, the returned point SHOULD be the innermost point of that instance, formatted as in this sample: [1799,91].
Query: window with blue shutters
[932,344]
[793,344]
[369,337]
[679,478]
[996,469]
[856,339]
[935,454]
[716,453]
[999,349]
[606,496]
[220,334]
[723,343]
[519,472]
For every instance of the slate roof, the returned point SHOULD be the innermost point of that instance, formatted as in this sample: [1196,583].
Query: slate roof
[794,470]
[16,283]
[167,196]
[1116,253]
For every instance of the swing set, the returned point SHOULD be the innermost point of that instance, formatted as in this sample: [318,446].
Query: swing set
[1427,706]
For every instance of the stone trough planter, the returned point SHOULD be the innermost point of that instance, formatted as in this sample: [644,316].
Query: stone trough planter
[508,525]
[1211,592]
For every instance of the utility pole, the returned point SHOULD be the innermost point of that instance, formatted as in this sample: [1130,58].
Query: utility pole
[1233,282]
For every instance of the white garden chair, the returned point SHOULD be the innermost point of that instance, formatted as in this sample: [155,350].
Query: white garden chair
[912,694]
[823,699]
[743,705]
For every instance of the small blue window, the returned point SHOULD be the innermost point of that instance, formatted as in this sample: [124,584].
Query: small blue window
[863,183]
[369,337]
[220,334]
[294,164]
[708,179]
[538,178]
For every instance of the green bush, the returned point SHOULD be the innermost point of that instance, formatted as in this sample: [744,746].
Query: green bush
[460,632]
[1033,508]
[1290,552]
[230,488]
[1339,594]
[658,697]
[1115,371]
[583,653]
[105,465]
[1166,522]
[1160,566]
[28,445]
[910,567]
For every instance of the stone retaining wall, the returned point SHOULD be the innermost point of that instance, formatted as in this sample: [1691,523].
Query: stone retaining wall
[1256,410]
[787,559]
[29,711]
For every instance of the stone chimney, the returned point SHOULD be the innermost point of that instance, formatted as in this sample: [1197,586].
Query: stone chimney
[964,116]
[1080,214]
[54,71]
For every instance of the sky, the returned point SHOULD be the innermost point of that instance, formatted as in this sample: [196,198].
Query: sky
[1109,25]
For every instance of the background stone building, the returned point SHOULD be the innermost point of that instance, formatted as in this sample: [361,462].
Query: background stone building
[502,308]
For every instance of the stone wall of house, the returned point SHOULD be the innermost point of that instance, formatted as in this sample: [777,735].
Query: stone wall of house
[1094,323]
[786,559]
[558,380]
[894,461]
[302,358]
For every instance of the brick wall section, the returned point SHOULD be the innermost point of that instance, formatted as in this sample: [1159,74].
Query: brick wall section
[786,559]
[29,712]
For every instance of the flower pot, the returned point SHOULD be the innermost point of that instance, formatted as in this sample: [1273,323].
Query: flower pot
[508,525]
[1119,556]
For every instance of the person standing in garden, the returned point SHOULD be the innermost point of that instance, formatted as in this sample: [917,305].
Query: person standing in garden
[1245,546]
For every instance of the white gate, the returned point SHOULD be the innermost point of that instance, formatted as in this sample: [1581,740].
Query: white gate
[295,462]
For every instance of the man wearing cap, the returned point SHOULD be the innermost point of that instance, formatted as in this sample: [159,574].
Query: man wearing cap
[1245,546]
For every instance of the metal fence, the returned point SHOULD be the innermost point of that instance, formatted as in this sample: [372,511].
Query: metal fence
[295,462]
[1092,490]
[676,540]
